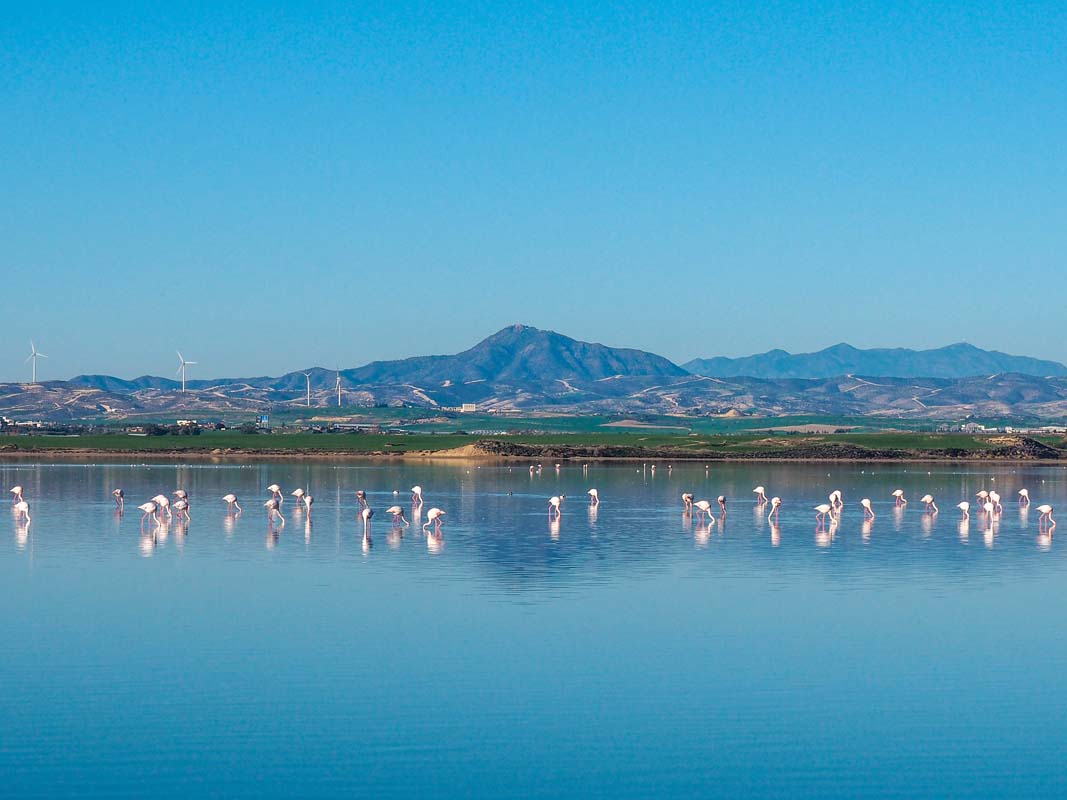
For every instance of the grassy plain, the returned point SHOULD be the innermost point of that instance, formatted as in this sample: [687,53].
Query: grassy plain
[609,443]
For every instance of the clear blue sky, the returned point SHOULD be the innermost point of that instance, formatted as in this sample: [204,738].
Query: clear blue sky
[273,187]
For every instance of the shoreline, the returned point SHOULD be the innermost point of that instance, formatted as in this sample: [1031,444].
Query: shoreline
[474,453]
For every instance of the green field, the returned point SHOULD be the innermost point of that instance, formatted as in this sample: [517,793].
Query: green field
[722,445]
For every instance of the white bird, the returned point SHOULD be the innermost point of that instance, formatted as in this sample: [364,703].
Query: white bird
[835,498]
[1024,496]
[149,510]
[868,512]
[120,498]
[721,500]
[163,502]
[182,507]
[276,490]
[965,507]
[416,495]
[775,502]
[231,500]
[994,498]
[297,493]
[988,508]
[822,510]
[704,507]
[554,504]
[361,498]
[761,495]
[433,515]
[308,500]
[687,501]
[366,514]
[273,507]
[22,510]
[16,494]
[181,494]
[594,497]
[928,501]
[899,495]
[1046,516]
[983,495]
[398,515]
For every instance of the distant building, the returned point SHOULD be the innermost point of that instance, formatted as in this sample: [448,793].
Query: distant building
[468,408]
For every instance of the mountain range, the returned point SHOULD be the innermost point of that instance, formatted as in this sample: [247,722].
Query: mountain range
[522,368]
[959,360]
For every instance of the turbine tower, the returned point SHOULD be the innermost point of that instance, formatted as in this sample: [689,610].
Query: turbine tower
[182,364]
[34,355]
[308,376]
[338,388]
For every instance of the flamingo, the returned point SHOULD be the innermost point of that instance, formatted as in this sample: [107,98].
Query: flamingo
[298,494]
[231,501]
[983,495]
[163,502]
[308,500]
[398,515]
[1024,497]
[1046,517]
[822,510]
[366,514]
[554,504]
[835,499]
[994,498]
[687,502]
[721,500]
[899,495]
[181,494]
[416,495]
[594,497]
[182,507]
[22,510]
[775,502]
[149,510]
[16,494]
[868,512]
[276,490]
[361,498]
[704,506]
[433,515]
[965,507]
[120,499]
[989,508]
[761,495]
[273,507]
[928,501]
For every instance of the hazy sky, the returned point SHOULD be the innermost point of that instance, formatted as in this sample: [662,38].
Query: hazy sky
[268,188]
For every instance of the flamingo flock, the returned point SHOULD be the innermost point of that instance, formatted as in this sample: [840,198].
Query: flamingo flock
[161,507]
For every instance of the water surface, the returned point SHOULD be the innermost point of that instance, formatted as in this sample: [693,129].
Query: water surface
[629,652]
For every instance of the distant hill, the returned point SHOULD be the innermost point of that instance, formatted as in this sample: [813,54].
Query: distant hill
[517,355]
[522,368]
[954,361]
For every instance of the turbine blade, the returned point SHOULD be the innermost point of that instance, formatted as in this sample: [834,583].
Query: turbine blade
[179,352]
[41,355]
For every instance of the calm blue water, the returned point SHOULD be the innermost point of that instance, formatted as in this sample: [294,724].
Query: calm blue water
[627,653]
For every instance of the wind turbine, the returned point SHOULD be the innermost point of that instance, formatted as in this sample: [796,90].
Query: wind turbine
[338,388]
[34,355]
[182,364]
[308,376]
